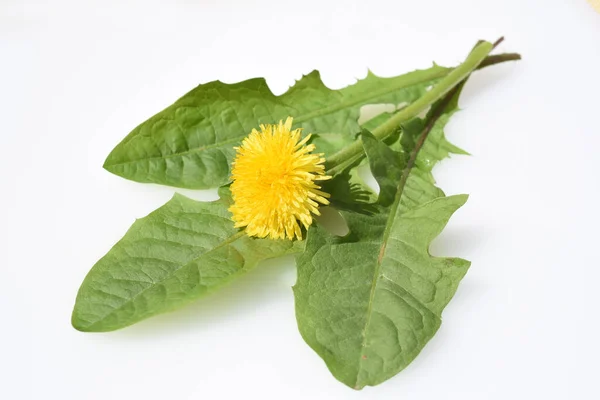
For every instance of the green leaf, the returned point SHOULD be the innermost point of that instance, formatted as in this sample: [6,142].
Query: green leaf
[178,253]
[190,144]
[368,302]
[419,187]
[446,85]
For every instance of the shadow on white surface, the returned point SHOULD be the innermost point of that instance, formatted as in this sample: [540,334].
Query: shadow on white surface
[456,241]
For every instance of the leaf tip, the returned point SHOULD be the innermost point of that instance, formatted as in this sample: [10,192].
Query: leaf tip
[77,323]
[78,320]
[106,164]
[461,199]
[109,165]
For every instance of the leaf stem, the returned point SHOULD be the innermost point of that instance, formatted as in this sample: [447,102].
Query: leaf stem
[488,61]
[498,58]
[446,84]
[432,118]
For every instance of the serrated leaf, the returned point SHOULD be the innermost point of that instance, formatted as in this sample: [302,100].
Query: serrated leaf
[178,253]
[368,302]
[366,309]
[190,144]
[420,185]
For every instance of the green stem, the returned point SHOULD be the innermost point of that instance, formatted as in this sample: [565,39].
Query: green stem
[488,61]
[475,58]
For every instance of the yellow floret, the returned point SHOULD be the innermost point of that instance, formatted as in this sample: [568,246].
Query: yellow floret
[273,187]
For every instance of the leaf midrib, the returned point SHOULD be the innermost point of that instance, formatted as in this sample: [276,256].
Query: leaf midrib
[376,275]
[333,108]
[225,242]
[299,119]
[393,213]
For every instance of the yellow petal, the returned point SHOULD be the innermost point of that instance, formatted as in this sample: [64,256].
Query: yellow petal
[273,187]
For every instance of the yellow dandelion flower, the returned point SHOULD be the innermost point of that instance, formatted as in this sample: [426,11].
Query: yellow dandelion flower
[273,187]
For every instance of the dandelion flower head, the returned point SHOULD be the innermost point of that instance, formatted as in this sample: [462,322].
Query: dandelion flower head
[274,189]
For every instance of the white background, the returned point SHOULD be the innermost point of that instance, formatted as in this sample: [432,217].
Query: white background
[77,76]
